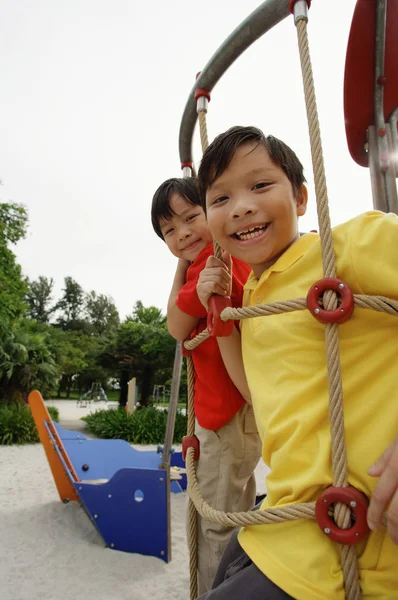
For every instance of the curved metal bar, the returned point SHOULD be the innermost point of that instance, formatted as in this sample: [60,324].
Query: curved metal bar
[266,16]
[380,51]
[393,121]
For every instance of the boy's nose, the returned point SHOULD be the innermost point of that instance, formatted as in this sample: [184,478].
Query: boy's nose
[184,233]
[241,211]
[241,207]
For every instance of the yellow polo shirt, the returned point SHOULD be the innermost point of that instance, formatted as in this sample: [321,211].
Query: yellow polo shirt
[284,358]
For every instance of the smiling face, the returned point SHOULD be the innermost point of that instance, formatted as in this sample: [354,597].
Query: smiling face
[252,210]
[186,233]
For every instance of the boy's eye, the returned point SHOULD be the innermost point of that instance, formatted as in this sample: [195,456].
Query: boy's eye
[220,199]
[261,185]
[168,231]
[192,217]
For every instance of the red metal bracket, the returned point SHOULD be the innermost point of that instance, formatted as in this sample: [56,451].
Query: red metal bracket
[356,501]
[190,441]
[342,312]
[199,92]
[216,326]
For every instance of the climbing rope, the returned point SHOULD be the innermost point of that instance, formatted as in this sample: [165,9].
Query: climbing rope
[340,512]
[336,413]
[376,303]
[202,98]
[192,516]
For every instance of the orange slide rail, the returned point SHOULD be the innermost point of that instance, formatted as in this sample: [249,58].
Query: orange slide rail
[41,415]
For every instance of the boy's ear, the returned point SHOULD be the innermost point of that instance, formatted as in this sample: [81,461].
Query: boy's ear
[301,201]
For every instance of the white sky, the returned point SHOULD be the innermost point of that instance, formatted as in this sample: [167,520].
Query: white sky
[92,97]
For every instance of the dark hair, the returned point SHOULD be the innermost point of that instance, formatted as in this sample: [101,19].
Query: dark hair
[221,151]
[186,187]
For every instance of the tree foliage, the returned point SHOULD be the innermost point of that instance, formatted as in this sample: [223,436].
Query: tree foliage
[101,312]
[71,306]
[26,363]
[13,220]
[39,298]
[75,341]
[141,347]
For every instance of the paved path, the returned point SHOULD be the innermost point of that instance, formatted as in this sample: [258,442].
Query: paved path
[70,415]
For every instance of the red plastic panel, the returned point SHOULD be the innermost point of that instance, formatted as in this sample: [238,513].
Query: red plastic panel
[359,74]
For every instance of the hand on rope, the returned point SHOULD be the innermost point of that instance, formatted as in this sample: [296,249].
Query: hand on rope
[386,491]
[215,278]
[214,288]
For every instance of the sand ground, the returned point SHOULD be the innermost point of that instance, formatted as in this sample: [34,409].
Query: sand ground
[51,551]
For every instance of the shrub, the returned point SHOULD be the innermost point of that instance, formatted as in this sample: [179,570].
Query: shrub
[143,426]
[17,425]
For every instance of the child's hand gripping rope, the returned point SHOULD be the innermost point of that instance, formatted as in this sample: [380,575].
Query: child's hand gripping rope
[215,278]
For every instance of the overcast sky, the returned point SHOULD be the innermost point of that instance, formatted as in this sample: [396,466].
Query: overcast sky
[91,100]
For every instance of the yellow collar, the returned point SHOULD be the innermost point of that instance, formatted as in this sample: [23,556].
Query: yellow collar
[286,260]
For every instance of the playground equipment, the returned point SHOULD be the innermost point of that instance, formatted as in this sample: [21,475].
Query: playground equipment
[95,394]
[125,493]
[371,113]
[160,394]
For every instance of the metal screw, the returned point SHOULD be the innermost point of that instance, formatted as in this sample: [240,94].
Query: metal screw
[95,516]
[353,503]
[341,286]
[80,488]
[317,311]
[162,553]
[357,534]
[327,530]
[109,495]
[112,545]
[161,479]
[325,500]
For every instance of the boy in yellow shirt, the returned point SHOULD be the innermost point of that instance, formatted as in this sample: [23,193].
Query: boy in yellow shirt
[253,191]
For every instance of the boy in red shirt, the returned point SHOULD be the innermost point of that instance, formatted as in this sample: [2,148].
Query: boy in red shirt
[229,443]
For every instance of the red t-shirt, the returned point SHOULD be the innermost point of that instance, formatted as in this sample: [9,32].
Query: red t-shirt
[216,398]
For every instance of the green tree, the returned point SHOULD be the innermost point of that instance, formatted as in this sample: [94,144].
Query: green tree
[101,312]
[26,362]
[141,347]
[40,299]
[149,315]
[13,288]
[13,221]
[73,362]
[71,306]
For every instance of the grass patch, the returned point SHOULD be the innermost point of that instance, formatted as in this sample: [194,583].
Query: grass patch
[17,425]
[143,426]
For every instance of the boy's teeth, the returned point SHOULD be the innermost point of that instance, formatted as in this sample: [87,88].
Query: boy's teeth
[250,233]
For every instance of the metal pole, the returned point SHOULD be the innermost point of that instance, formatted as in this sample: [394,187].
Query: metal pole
[382,162]
[393,120]
[266,16]
[378,148]
[173,406]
